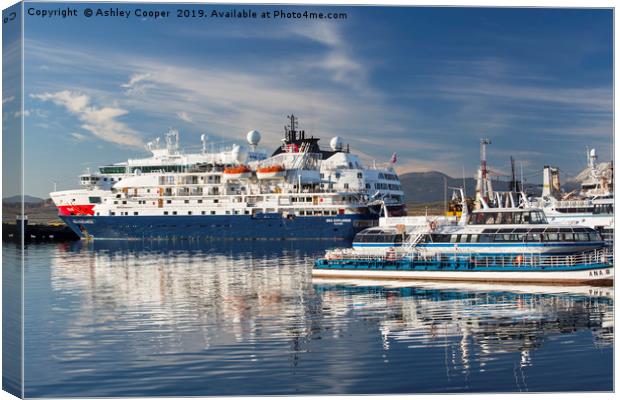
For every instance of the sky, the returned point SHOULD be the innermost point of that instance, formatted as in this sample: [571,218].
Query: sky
[426,83]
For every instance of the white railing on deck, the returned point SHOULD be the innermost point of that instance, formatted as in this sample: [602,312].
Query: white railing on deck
[598,256]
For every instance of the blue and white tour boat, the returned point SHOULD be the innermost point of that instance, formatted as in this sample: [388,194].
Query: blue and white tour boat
[489,245]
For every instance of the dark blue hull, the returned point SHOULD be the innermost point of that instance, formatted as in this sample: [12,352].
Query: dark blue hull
[242,227]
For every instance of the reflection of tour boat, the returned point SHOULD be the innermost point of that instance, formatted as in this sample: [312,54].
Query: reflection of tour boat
[499,244]
[271,172]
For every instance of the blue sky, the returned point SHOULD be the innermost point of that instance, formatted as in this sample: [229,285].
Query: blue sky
[427,83]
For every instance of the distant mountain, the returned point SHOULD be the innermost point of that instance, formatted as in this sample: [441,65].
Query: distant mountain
[428,187]
[27,199]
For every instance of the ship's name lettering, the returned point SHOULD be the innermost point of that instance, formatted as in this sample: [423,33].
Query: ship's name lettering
[83,221]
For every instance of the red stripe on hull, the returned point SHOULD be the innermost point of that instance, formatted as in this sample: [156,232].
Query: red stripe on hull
[77,209]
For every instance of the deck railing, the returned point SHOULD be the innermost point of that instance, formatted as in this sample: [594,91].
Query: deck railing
[597,256]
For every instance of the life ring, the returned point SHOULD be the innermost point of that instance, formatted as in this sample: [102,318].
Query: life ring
[518,259]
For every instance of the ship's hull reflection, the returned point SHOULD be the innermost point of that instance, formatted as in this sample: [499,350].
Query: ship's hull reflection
[214,318]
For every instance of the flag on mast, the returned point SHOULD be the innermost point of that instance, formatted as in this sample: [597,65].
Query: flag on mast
[393,159]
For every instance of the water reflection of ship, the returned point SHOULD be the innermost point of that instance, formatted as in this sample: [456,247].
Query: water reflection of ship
[499,320]
[191,298]
[228,294]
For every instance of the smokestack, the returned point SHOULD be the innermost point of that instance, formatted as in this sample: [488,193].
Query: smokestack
[551,181]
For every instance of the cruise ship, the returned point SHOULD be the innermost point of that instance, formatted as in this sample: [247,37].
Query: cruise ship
[300,191]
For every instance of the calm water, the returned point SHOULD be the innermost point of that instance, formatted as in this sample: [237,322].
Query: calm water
[208,318]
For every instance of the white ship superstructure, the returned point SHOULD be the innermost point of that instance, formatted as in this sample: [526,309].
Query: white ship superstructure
[591,205]
[300,191]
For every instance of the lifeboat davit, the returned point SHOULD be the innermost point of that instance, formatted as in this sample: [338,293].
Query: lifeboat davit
[270,172]
[237,172]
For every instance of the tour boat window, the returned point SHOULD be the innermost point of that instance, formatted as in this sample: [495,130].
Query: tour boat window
[174,213]
[454,238]
[595,236]
[464,238]
[533,237]
[567,237]
[165,212]
[94,200]
[135,213]
[582,237]
[212,212]
[485,238]
[552,237]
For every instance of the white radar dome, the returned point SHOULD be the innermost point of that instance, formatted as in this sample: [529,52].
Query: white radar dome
[336,143]
[253,137]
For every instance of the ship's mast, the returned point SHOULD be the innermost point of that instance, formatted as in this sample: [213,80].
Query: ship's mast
[291,129]
[483,189]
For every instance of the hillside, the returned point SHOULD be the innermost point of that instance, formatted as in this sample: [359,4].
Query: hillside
[428,187]
[27,199]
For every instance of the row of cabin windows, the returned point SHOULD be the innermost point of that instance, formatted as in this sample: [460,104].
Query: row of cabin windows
[507,218]
[318,212]
[237,212]
[389,177]
[520,238]
[539,230]
[603,209]
[144,168]
[189,179]
[337,175]
[96,179]
[575,210]
[386,186]
[389,238]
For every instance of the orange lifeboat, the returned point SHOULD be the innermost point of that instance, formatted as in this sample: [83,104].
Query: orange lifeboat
[270,172]
[237,172]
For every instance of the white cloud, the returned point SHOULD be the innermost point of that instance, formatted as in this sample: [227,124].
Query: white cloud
[78,136]
[338,61]
[138,82]
[100,121]
[184,116]
[18,114]
[8,99]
